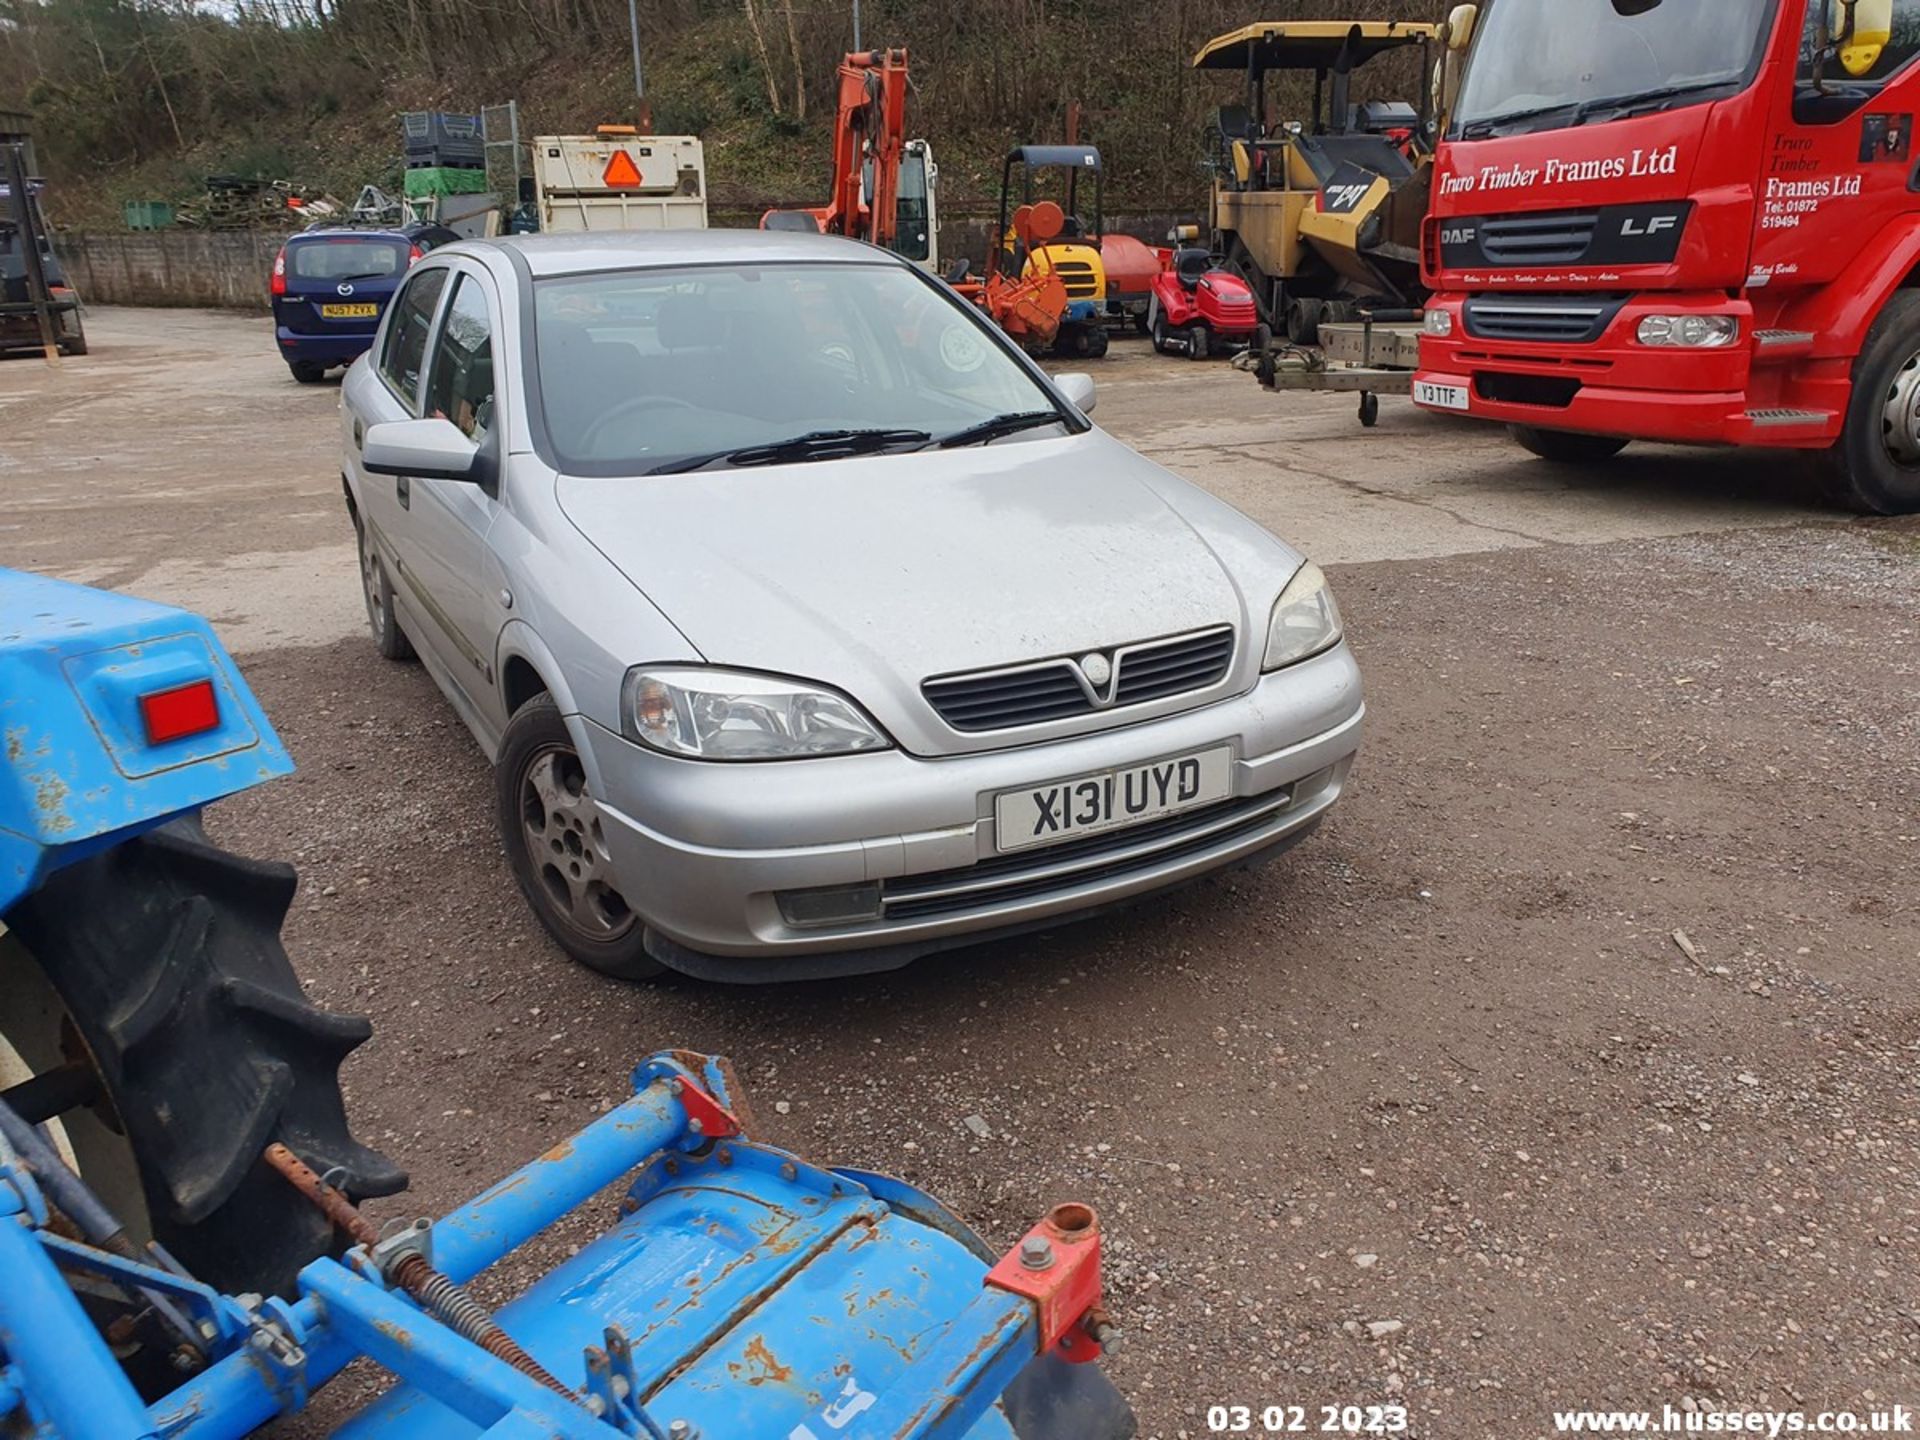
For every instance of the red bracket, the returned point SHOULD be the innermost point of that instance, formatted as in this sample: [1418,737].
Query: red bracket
[706,1117]
[1056,1265]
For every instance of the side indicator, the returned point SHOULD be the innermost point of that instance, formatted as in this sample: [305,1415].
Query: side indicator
[177,713]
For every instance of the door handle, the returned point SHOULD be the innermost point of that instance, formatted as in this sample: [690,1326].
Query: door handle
[403,488]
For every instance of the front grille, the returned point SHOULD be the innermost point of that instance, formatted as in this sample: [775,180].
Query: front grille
[1077,275]
[1079,862]
[1559,237]
[1555,319]
[1057,689]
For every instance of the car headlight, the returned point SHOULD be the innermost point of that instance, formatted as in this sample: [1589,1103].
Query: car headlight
[1305,620]
[1438,322]
[1692,332]
[727,715]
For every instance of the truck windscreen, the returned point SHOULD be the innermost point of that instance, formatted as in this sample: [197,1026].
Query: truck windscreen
[1551,64]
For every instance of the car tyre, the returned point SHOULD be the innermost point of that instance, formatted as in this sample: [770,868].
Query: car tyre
[552,831]
[307,372]
[1875,464]
[1566,446]
[377,589]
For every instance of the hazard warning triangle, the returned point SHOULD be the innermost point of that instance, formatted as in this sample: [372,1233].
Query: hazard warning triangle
[621,173]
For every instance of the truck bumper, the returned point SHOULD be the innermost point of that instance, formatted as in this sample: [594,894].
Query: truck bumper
[1756,391]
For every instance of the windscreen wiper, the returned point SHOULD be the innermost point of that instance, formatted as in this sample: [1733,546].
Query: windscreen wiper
[365,275]
[814,445]
[1481,129]
[1654,99]
[1012,423]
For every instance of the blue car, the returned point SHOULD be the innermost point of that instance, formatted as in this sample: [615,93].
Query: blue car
[330,287]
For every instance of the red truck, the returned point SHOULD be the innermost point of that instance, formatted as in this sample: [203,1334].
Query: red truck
[1678,221]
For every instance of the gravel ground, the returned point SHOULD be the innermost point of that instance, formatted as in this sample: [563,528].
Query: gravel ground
[1437,1109]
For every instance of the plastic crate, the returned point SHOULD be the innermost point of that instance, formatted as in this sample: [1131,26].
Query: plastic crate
[440,139]
[443,180]
[147,214]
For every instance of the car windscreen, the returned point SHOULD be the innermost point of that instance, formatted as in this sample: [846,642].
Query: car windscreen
[641,369]
[1547,64]
[340,258]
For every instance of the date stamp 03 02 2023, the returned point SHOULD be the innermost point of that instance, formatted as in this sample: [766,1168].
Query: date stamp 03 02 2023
[1307,1419]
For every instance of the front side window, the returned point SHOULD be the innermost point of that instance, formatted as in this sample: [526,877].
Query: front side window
[641,369]
[913,237]
[1839,73]
[1551,64]
[460,383]
[406,347]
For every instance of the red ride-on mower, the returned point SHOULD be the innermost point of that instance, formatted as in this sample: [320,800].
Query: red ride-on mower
[1200,309]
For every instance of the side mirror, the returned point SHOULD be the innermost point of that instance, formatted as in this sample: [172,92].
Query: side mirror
[423,449]
[1077,386]
[1460,23]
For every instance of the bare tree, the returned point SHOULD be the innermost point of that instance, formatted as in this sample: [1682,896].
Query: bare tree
[766,63]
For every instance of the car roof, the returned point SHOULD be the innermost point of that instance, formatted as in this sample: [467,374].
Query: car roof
[352,232]
[573,253]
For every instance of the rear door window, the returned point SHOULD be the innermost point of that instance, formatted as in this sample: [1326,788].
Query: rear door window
[336,260]
[460,385]
[412,321]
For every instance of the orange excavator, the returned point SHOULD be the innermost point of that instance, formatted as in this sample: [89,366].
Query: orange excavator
[884,189]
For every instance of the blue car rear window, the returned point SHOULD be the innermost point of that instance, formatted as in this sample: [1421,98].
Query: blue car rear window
[339,258]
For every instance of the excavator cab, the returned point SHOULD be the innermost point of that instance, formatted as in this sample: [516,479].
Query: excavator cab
[1320,213]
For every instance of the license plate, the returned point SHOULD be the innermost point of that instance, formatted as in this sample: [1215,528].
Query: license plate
[1442,397]
[348,312]
[1088,804]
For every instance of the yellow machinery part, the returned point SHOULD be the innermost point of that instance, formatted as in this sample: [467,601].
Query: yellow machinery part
[1336,237]
[1079,267]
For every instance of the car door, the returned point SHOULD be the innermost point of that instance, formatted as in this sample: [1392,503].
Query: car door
[387,388]
[453,575]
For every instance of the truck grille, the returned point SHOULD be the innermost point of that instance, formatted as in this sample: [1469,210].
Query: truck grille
[1559,237]
[1057,689]
[1077,275]
[1079,862]
[1556,319]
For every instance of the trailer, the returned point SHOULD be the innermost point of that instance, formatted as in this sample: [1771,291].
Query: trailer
[1370,356]
[619,179]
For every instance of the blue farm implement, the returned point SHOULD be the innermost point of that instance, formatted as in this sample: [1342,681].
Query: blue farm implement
[182,1253]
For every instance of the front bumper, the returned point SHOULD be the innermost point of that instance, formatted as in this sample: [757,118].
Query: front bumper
[1616,386]
[705,852]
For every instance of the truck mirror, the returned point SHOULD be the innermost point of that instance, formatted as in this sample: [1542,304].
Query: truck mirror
[1460,23]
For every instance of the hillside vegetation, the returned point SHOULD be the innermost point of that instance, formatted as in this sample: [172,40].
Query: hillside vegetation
[141,99]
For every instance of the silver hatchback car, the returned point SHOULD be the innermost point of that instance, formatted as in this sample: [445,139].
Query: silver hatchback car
[809,626]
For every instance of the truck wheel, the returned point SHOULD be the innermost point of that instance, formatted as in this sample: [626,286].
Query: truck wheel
[1566,446]
[160,961]
[1875,464]
[554,840]
[377,589]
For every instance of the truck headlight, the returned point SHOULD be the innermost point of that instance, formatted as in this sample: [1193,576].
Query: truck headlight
[1438,322]
[1305,620]
[1692,332]
[729,715]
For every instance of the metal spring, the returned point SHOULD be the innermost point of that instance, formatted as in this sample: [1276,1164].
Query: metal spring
[467,1317]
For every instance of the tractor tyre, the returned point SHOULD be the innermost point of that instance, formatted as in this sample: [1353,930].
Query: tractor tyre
[1199,342]
[1304,315]
[163,958]
[1262,338]
[1874,466]
[1160,333]
[1097,343]
[1567,447]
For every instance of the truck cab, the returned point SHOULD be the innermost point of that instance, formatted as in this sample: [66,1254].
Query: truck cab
[1646,227]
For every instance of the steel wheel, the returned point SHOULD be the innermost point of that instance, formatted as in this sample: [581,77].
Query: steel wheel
[1900,416]
[388,637]
[568,847]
